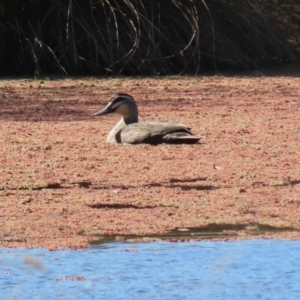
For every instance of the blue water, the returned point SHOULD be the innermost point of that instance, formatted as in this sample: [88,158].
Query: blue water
[259,269]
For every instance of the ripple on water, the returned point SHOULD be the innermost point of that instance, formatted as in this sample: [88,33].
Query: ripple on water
[257,269]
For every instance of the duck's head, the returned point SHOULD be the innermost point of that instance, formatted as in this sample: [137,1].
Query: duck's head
[122,104]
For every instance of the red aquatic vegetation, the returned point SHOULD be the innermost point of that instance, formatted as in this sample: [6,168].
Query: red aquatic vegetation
[62,185]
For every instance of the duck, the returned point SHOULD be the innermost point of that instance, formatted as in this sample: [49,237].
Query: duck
[129,131]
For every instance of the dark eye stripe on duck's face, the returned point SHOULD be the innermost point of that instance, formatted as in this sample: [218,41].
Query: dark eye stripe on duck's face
[118,99]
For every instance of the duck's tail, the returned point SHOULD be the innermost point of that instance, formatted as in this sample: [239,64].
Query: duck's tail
[181,138]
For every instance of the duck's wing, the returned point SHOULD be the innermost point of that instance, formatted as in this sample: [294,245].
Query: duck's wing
[156,133]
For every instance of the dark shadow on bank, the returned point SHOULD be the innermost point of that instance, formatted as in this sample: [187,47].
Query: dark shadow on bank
[208,232]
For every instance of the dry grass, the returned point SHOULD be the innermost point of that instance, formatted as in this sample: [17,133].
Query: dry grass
[146,37]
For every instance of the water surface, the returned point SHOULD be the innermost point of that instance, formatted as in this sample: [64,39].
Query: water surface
[257,269]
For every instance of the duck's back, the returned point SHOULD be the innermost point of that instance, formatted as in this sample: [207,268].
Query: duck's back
[156,133]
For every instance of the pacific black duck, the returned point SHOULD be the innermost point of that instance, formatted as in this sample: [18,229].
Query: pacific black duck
[129,131]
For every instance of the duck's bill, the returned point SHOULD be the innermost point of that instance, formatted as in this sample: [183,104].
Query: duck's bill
[105,111]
